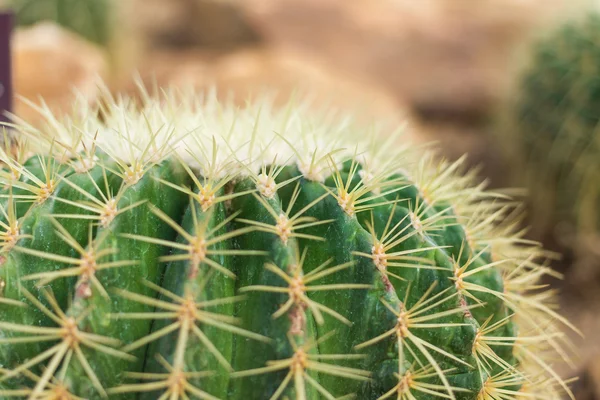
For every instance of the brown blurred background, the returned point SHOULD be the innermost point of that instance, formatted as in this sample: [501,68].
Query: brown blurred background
[445,66]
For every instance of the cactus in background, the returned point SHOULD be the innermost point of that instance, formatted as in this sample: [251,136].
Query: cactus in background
[92,19]
[555,122]
[184,248]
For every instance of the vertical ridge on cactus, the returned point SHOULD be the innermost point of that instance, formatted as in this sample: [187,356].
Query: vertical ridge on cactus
[183,248]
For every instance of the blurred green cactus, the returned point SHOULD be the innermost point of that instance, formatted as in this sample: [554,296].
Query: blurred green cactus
[554,126]
[192,249]
[91,19]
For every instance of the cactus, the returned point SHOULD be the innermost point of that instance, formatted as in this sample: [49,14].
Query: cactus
[92,19]
[554,121]
[182,248]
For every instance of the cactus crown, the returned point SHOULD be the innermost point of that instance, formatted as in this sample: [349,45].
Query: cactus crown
[555,121]
[183,248]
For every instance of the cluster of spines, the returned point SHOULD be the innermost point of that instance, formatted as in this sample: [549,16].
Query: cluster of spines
[438,202]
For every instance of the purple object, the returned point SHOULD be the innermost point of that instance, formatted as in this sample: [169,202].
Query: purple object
[6,95]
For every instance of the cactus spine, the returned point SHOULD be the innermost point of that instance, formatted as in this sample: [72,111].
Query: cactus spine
[190,249]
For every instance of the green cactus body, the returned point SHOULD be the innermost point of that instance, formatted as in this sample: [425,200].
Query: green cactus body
[187,259]
[554,121]
[35,234]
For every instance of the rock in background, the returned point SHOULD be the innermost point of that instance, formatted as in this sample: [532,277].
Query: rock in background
[445,57]
[247,73]
[219,25]
[49,63]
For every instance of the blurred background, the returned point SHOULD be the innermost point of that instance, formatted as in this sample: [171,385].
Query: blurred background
[451,69]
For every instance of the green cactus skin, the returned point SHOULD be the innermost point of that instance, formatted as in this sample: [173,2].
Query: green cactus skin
[554,121]
[189,249]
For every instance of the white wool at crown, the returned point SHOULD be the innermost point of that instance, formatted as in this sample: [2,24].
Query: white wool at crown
[219,139]
[196,125]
